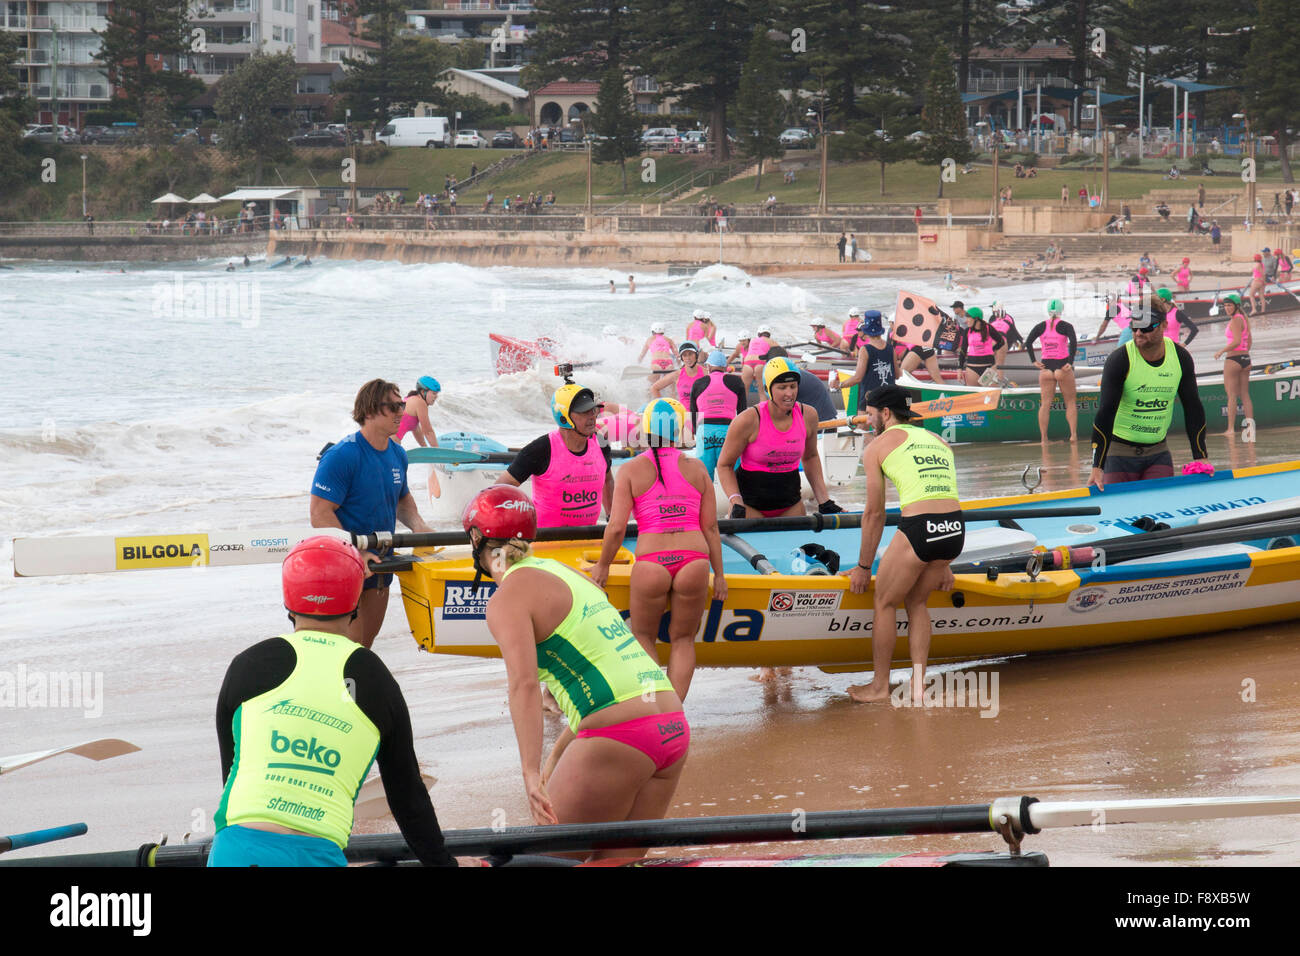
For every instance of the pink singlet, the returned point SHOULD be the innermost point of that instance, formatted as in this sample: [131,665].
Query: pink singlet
[408,425]
[617,426]
[758,348]
[824,337]
[850,327]
[568,492]
[775,450]
[1173,328]
[661,353]
[671,503]
[1055,345]
[686,382]
[1245,336]
[695,333]
[1183,276]
[716,401]
[1002,323]
[978,344]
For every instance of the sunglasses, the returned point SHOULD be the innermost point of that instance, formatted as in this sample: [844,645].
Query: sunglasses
[393,407]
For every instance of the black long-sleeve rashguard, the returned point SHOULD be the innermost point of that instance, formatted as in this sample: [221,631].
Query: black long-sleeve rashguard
[1113,375]
[268,664]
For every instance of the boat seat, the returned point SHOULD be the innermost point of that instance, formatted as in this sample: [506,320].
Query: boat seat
[983,544]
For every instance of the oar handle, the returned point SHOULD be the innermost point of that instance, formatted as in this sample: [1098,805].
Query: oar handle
[386,541]
[20,840]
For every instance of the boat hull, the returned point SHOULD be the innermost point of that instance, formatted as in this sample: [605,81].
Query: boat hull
[814,620]
[1276,400]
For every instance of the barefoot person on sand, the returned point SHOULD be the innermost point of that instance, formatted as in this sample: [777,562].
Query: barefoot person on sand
[1236,361]
[622,753]
[930,535]
[1056,368]
[671,497]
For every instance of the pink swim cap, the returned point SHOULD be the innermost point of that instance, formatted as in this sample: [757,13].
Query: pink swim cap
[1198,467]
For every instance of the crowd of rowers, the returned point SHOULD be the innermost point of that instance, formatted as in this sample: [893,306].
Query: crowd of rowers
[626,736]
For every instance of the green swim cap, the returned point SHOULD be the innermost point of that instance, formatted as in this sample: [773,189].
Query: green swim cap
[1232,297]
[1164,294]
[1055,307]
[975,312]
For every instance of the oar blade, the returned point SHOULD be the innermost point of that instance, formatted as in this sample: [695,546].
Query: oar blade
[101,749]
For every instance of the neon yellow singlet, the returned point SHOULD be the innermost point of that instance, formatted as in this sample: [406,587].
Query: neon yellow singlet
[593,660]
[921,468]
[302,749]
[1146,407]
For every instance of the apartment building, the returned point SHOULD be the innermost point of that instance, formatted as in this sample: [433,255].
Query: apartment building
[234,29]
[56,64]
[504,29]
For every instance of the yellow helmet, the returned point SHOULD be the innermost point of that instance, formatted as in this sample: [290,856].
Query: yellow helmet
[569,399]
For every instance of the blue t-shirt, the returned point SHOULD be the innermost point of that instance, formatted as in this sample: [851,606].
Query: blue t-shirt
[364,483]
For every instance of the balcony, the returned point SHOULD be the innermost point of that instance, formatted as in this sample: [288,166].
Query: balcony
[204,11]
[68,24]
[1001,84]
[474,6]
[68,91]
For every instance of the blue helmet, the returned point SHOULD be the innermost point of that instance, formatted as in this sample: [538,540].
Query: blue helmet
[428,383]
[663,421]
[718,358]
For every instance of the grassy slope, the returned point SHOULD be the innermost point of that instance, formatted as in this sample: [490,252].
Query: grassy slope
[115,191]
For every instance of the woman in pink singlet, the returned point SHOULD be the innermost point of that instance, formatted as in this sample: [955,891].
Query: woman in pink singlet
[1183,276]
[1056,369]
[1257,283]
[1236,361]
[661,349]
[677,541]
[683,380]
[415,421]
[825,336]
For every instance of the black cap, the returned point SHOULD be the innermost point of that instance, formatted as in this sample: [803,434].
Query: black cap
[893,398]
[959,304]
[584,401]
[1146,319]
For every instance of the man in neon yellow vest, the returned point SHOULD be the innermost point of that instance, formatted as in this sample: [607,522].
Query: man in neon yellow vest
[300,720]
[1139,385]
[931,533]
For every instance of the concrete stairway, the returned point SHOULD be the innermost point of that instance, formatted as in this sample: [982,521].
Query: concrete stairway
[1167,248]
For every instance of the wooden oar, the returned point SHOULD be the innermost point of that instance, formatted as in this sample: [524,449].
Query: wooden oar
[102,749]
[935,408]
[19,841]
[455,456]
[35,557]
[1013,817]
[816,522]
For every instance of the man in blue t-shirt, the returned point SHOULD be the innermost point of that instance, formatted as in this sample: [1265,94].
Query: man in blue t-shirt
[360,486]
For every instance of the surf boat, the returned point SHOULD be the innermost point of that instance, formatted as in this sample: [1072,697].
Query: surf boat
[1275,393]
[1228,559]
[510,355]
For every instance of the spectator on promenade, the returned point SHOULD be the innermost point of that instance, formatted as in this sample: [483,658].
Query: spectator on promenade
[1216,234]
[853,248]
[840,244]
[1083,195]
[487,203]
[916,217]
[1065,195]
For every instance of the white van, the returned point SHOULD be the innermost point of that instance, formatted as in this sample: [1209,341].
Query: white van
[431,131]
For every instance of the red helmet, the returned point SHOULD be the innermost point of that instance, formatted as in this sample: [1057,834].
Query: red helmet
[502,511]
[322,577]
[1142,271]
[1186,260]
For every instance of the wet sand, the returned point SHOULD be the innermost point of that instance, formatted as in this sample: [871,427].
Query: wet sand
[1158,720]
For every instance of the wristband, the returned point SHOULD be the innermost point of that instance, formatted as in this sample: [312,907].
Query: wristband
[734,497]
[864,567]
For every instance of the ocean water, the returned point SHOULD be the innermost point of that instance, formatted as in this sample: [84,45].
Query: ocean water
[165,400]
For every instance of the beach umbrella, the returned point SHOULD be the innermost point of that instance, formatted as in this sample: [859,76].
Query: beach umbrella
[171,199]
[203,199]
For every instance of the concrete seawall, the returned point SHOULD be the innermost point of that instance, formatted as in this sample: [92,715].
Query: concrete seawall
[539,248]
[88,248]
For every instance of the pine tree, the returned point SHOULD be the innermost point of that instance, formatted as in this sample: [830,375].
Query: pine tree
[759,106]
[400,73]
[138,30]
[616,123]
[695,49]
[254,104]
[943,119]
[882,135]
[1272,75]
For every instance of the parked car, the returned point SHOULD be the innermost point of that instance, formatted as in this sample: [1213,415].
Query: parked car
[506,139]
[91,134]
[470,138]
[432,132]
[46,134]
[796,137]
[318,137]
[659,136]
[694,141]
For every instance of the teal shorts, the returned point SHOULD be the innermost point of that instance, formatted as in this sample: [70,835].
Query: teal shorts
[245,846]
[708,445]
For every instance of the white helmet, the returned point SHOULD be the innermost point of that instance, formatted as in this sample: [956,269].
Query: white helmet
[764,330]
[744,334]
[657,329]
[706,315]
[697,314]
[855,313]
[817,323]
